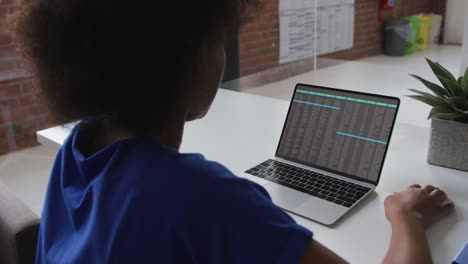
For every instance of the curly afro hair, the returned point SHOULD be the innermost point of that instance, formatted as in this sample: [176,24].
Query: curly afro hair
[124,59]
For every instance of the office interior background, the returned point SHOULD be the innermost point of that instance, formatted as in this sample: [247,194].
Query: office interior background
[345,43]
[254,65]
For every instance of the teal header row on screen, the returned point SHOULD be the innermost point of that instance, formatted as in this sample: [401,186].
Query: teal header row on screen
[347,98]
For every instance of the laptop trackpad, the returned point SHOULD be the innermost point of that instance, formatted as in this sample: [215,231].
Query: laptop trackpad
[284,197]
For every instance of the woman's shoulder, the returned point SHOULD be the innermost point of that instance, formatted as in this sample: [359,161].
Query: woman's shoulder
[198,164]
[192,177]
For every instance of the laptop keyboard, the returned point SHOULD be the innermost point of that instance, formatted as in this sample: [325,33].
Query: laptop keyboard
[318,185]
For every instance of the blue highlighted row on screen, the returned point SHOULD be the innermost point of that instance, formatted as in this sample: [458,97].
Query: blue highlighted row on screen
[320,105]
[363,138]
[347,98]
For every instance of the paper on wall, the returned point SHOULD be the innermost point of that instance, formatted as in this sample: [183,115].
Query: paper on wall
[298,22]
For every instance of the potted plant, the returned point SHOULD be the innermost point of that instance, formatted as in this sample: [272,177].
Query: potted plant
[449,129]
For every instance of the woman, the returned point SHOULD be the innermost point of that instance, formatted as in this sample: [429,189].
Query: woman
[120,191]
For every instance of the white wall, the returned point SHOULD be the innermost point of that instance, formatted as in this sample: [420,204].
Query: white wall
[465,43]
[454,21]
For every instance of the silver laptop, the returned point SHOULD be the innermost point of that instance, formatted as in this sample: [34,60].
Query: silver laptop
[331,151]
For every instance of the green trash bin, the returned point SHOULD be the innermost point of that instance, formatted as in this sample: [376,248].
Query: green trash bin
[412,43]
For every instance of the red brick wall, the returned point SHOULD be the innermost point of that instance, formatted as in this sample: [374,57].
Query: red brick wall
[21,111]
[7,51]
[21,114]
[259,39]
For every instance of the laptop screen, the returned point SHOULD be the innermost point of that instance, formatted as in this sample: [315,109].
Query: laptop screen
[339,131]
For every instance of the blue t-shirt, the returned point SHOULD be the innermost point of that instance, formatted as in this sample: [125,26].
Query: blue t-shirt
[137,201]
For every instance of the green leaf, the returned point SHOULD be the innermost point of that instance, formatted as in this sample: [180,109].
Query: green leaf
[461,112]
[430,100]
[460,81]
[435,88]
[437,100]
[465,83]
[428,95]
[452,86]
[440,70]
[447,72]
[439,110]
[459,102]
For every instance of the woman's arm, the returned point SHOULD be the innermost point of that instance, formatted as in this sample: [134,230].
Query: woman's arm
[408,244]
[409,213]
[318,253]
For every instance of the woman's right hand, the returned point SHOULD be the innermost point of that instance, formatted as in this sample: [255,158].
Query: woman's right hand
[409,211]
[426,205]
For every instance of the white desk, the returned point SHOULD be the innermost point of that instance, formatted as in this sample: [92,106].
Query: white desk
[242,130]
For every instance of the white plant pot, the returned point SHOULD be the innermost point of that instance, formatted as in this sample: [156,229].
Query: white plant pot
[448,145]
